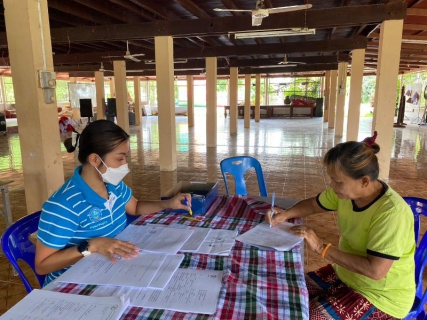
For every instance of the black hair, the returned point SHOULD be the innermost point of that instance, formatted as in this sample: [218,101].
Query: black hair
[68,143]
[354,159]
[100,137]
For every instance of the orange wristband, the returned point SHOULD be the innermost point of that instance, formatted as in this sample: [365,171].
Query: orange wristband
[326,250]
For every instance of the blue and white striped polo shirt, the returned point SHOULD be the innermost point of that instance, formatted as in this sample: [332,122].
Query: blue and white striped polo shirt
[75,213]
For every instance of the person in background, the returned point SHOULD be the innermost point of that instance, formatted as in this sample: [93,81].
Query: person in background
[85,214]
[373,271]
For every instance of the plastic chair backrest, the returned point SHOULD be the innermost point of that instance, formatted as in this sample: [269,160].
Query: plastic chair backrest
[419,208]
[16,246]
[237,166]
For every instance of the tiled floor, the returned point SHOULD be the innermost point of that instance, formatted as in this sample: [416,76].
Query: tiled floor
[290,151]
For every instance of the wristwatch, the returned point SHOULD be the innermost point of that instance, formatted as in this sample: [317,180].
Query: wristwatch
[83,248]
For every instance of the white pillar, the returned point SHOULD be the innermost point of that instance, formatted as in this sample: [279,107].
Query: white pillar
[137,102]
[211,105]
[247,117]
[257,97]
[166,103]
[327,95]
[332,100]
[342,81]
[100,95]
[122,110]
[385,97]
[233,100]
[355,98]
[190,100]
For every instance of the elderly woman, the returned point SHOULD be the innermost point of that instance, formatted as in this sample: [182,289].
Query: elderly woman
[372,276]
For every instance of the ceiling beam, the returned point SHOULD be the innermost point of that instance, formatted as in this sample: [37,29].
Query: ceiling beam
[417,12]
[110,11]
[316,18]
[191,7]
[415,27]
[155,8]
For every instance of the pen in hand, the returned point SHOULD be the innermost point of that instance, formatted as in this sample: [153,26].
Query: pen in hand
[273,196]
[186,203]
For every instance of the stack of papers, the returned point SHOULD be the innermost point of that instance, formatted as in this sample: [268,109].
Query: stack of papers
[50,305]
[276,238]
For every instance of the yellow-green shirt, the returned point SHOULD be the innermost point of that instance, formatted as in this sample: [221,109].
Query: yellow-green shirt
[384,228]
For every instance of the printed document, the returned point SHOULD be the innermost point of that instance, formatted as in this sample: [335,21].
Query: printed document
[188,291]
[155,239]
[138,271]
[277,238]
[50,305]
[218,242]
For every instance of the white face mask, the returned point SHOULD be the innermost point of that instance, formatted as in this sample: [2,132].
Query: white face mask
[114,175]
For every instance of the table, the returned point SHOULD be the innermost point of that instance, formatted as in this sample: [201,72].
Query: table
[257,284]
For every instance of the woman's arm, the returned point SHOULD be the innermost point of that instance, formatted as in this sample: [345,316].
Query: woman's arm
[371,266]
[48,260]
[137,208]
[301,209]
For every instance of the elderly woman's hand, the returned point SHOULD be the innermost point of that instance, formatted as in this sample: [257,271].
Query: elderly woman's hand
[278,217]
[313,242]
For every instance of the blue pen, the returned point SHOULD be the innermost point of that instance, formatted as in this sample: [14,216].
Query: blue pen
[272,207]
[186,203]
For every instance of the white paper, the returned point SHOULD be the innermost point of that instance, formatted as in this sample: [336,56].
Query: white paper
[155,239]
[218,242]
[277,237]
[98,269]
[166,271]
[50,305]
[188,291]
[169,241]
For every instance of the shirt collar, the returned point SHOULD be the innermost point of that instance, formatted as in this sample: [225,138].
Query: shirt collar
[88,193]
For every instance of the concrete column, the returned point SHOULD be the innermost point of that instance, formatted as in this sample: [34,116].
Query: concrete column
[247,117]
[100,95]
[327,95]
[137,103]
[166,103]
[385,97]
[211,105]
[122,110]
[233,100]
[332,100]
[190,100]
[266,96]
[342,81]
[112,88]
[30,51]
[257,97]
[355,98]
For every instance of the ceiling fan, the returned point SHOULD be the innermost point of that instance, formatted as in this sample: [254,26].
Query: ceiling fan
[128,55]
[101,68]
[287,63]
[261,11]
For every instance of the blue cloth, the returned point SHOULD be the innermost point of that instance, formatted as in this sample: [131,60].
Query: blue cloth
[75,213]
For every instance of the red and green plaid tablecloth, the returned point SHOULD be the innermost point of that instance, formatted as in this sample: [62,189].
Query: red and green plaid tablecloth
[257,284]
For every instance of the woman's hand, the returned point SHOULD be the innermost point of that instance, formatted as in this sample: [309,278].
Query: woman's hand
[313,242]
[113,248]
[278,217]
[177,202]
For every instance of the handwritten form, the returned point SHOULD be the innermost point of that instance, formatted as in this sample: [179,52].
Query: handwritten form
[155,239]
[218,242]
[188,291]
[277,238]
[50,305]
[139,271]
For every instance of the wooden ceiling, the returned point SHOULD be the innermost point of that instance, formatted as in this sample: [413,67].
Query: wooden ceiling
[87,32]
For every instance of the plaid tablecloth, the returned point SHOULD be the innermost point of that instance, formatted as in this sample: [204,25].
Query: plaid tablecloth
[256,284]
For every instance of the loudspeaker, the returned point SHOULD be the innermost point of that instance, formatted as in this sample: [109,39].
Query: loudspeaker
[111,107]
[86,108]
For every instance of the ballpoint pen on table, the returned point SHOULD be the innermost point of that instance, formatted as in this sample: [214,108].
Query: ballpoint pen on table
[189,218]
[273,196]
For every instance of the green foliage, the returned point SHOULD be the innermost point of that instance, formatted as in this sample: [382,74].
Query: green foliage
[62,94]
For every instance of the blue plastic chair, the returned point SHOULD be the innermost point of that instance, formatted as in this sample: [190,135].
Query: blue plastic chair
[419,208]
[17,246]
[237,166]
[130,218]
